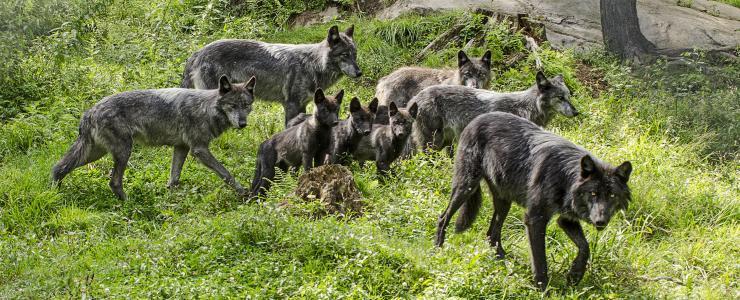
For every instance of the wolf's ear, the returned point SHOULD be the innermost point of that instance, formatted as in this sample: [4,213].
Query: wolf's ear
[250,84]
[623,171]
[338,97]
[333,36]
[224,85]
[462,58]
[355,105]
[588,166]
[392,109]
[373,106]
[350,31]
[542,82]
[413,110]
[486,59]
[319,97]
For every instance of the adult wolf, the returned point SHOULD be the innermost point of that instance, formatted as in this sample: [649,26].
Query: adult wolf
[302,144]
[444,111]
[404,83]
[544,173]
[184,118]
[289,74]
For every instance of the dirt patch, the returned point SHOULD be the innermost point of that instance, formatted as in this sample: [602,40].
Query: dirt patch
[592,78]
[334,187]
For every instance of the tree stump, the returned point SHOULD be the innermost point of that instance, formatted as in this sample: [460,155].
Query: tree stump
[333,186]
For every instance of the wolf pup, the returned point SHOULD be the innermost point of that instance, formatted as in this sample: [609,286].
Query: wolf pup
[184,118]
[288,72]
[346,136]
[542,172]
[297,145]
[385,143]
[444,111]
[404,83]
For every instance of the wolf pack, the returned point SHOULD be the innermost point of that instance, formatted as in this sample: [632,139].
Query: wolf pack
[498,137]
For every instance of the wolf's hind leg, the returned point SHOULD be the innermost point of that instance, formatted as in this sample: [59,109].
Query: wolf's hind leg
[264,171]
[204,156]
[575,232]
[121,152]
[178,159]
[501,208]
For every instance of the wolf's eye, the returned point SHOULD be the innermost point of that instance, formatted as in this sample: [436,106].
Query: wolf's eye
[612,195]
[593,194]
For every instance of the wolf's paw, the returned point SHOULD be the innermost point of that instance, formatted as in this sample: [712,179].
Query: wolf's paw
[574,277]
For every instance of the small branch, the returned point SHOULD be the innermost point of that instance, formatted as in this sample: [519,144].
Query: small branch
[535,49]
[440,41]
[662,278]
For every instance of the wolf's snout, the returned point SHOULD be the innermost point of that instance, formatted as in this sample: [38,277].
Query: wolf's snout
[366,132]
[242,124]
[359,73]
[600,225]
[334,123]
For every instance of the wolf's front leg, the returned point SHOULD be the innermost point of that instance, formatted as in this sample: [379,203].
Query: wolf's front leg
[307,161]
[575,232]
[293,104]
[536,224]
[204,156]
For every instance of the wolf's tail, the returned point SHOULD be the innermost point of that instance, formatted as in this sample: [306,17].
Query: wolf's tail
[78,154]
[468,211]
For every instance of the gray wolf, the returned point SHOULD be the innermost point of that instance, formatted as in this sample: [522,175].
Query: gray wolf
[186,119]
[386,142]
[544,173]
[302,144]
[404,83]
[346,136]
[445,110]
[288,73]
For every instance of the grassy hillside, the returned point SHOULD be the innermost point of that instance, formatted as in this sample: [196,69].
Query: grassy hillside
[678,124]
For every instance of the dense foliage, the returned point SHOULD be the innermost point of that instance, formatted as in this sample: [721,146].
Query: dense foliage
[677,123]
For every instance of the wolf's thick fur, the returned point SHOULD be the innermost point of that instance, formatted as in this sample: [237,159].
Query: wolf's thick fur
[444,111]
[544,173]
[404,83]
[386,142]
[288,73]
[184,118]
[302,144]
[346,137]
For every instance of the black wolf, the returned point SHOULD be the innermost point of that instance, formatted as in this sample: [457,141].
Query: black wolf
[301,144]
[346,137]
[445,110]
[386,142]
[288,73]
[184,118]
[404,83]
[544,173]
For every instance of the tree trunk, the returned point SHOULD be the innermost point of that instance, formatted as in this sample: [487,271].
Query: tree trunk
[621,30]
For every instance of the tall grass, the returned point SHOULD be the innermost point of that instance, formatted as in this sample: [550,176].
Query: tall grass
[679,239]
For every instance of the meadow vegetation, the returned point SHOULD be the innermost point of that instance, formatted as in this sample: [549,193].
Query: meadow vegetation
[677,124]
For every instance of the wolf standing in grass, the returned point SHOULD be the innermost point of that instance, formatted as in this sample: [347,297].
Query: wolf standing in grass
[544,173]
[444,111]
[288,73]
[404,83]
[304,144]
[184,118]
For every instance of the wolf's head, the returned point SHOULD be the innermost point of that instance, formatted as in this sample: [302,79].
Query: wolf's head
[402,119]
[327,108]
[475,73]
[601,191]
[236,100]
[555,95]
[342,51]
[362,117]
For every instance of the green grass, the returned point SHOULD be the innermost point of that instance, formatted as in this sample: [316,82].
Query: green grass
[680,237]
